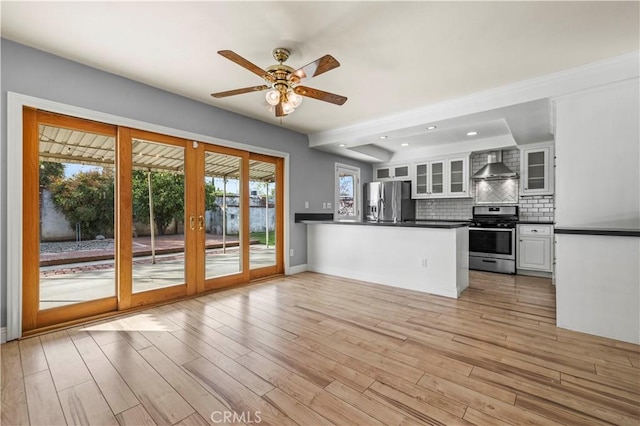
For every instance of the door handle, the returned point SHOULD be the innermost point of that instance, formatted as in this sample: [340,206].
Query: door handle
[192,222]
[200,222]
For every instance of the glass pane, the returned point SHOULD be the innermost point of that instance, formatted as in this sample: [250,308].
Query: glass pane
[537,183]
[421,189]
[421,169]
[347,190]
[421,179]
[436,168]
[456,166]
[536,171]
[437,179]
[77,254]
[402,171]
[382,173]
[456,187]
[158,215]
[437,189]
[262,214]
[222,214]
[536,158]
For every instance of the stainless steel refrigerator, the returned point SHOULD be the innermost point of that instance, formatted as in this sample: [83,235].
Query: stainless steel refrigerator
[388,202]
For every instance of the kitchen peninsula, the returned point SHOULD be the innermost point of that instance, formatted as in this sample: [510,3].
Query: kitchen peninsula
[427,256]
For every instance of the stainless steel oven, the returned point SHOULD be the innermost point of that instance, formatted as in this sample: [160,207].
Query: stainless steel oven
[492,239]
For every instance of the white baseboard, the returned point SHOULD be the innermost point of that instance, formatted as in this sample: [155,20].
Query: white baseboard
[297,269]
[3,335]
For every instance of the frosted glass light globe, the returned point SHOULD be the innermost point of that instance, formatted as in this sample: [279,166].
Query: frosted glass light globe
[272,97]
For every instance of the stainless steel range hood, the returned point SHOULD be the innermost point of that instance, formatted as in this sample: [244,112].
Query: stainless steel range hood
[495,169]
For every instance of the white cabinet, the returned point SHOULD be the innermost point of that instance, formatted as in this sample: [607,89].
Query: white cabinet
[535,247]
[536,165]
[458,177]
[393,172]
[442,178]
[429,179]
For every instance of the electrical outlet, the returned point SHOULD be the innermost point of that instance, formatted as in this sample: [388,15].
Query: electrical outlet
[324,206]
[329,206]
[424,262]
[291,252]
[306,204]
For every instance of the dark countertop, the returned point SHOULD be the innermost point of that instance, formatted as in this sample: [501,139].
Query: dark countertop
[612,232]
[413,224]
[534,222]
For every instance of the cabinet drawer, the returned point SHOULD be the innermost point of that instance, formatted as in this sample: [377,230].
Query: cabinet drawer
[539,230]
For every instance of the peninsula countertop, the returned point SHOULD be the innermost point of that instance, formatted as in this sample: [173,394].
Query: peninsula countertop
[407,224]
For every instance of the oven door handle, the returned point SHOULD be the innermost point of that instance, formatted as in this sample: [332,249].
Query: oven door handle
[492,229]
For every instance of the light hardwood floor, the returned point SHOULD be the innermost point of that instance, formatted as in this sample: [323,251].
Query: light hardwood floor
[313,349]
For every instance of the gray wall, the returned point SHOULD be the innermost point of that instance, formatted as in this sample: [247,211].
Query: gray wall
[32,72]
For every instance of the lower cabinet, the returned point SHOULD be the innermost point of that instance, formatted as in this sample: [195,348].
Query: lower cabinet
[535,248]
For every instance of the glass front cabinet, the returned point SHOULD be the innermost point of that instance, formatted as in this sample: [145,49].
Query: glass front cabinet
[393,172]
[537,170]
[442,178]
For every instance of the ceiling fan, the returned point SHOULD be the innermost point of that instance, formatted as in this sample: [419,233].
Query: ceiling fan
[285,94]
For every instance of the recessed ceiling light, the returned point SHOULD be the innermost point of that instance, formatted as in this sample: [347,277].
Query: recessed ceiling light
[383,137]
[472,133]
[342,145]
[404,144]
[431,127]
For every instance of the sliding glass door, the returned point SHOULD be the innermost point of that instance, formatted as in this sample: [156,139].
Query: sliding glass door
[68,218]
[116,218]
[223,207]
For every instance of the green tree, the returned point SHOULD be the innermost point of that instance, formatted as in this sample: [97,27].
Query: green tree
[168,198]
[86,198]
[49,173]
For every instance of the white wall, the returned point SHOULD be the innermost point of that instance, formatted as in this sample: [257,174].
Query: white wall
[597,287]
[598,157]
[598,185]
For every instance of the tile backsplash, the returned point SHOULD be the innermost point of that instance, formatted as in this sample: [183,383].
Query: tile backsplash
[532,207]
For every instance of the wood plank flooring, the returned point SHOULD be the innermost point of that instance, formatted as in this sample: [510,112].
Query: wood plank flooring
[312,349]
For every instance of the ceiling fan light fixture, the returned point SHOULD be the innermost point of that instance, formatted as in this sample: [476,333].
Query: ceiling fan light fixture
[294,99]
[287,108]
[272,97]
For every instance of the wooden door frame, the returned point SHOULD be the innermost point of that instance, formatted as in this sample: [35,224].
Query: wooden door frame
[17,104]
[243,275]
[128,299]
[32,316]
[278,268]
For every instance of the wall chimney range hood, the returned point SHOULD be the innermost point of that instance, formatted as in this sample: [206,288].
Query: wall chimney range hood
[495,169]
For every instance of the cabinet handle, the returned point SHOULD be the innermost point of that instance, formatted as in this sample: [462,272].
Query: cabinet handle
[200,222]
[534,230]
[192,222]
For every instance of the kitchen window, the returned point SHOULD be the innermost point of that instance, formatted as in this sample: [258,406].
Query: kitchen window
[347,194]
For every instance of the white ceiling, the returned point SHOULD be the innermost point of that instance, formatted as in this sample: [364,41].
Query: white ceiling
[395,56]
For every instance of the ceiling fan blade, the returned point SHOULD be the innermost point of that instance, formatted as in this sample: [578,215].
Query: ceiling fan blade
[317,67]
[234,57]
[280,110]
[321,95]
[239,91]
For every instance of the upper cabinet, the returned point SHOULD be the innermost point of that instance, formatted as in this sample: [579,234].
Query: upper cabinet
[442,178]
[458,174]
[536,166]
[392,172]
